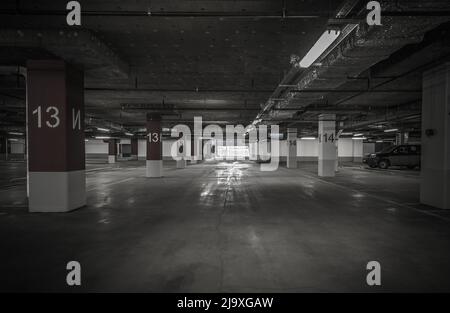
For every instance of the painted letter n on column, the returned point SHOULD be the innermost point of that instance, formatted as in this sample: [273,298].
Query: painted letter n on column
[55,109]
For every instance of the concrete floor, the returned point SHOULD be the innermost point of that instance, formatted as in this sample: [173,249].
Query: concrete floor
[227,227]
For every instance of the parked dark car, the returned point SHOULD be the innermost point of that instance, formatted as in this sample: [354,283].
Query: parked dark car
[404,155]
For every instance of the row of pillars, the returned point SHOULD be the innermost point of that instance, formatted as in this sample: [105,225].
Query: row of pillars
[154,161]
[327,158]
[55,127]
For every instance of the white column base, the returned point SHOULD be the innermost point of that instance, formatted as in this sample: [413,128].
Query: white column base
[154,168]
[181,163]
[111,159]
[57,191]
[327,168]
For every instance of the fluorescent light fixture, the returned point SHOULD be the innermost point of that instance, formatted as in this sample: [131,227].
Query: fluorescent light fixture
[379,141]
[102,137]
[103,129]
[327,38]
[391,130]
[308,138]
[165,129]
[86,140]
[15,133]
[13,139]
[358,135]
[346,134]
[359,138]
[129,134]
[276,136]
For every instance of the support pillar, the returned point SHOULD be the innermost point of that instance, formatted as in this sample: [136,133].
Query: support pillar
[327,147]
[435,163]
[291,160]
[154,146]
[181,163]
[357,150]
[55,115]
[193,154]
[197,146]
[112,151]
[134,148]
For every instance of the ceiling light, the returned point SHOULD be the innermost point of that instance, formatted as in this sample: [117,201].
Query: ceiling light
[102,137]
[358,135]
[359,138]
[347,134]
[308,138]
[15,133]
[13,139]
[103,129]
[129,134]
[327,38]
[391,130]
[379,141]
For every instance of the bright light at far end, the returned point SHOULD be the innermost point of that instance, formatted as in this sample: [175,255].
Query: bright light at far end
[308,138]
[103,129]
[129,134]
[391,130]
[327,38]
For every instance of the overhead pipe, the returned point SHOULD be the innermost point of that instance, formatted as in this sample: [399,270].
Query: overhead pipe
[189,14]
[217,14]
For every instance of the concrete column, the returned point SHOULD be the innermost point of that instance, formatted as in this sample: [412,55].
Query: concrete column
[134,148]
[196,147]
[435,163]
[181,163]
[55,115]
[405,138]
[357,150]
[327,147]
[336,162]
[112,151]
[154,146]
[193,154]
[291,157]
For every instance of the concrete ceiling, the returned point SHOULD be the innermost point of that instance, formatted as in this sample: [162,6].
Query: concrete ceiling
[224,60]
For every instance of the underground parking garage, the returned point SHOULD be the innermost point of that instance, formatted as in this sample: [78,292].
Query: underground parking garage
[224,146]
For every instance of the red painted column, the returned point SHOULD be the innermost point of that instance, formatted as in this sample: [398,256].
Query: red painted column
[134,148]
[112,151]
[55,115]
[154,146]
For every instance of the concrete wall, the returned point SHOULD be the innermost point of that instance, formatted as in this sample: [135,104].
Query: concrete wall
[96,146]
[307,150]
